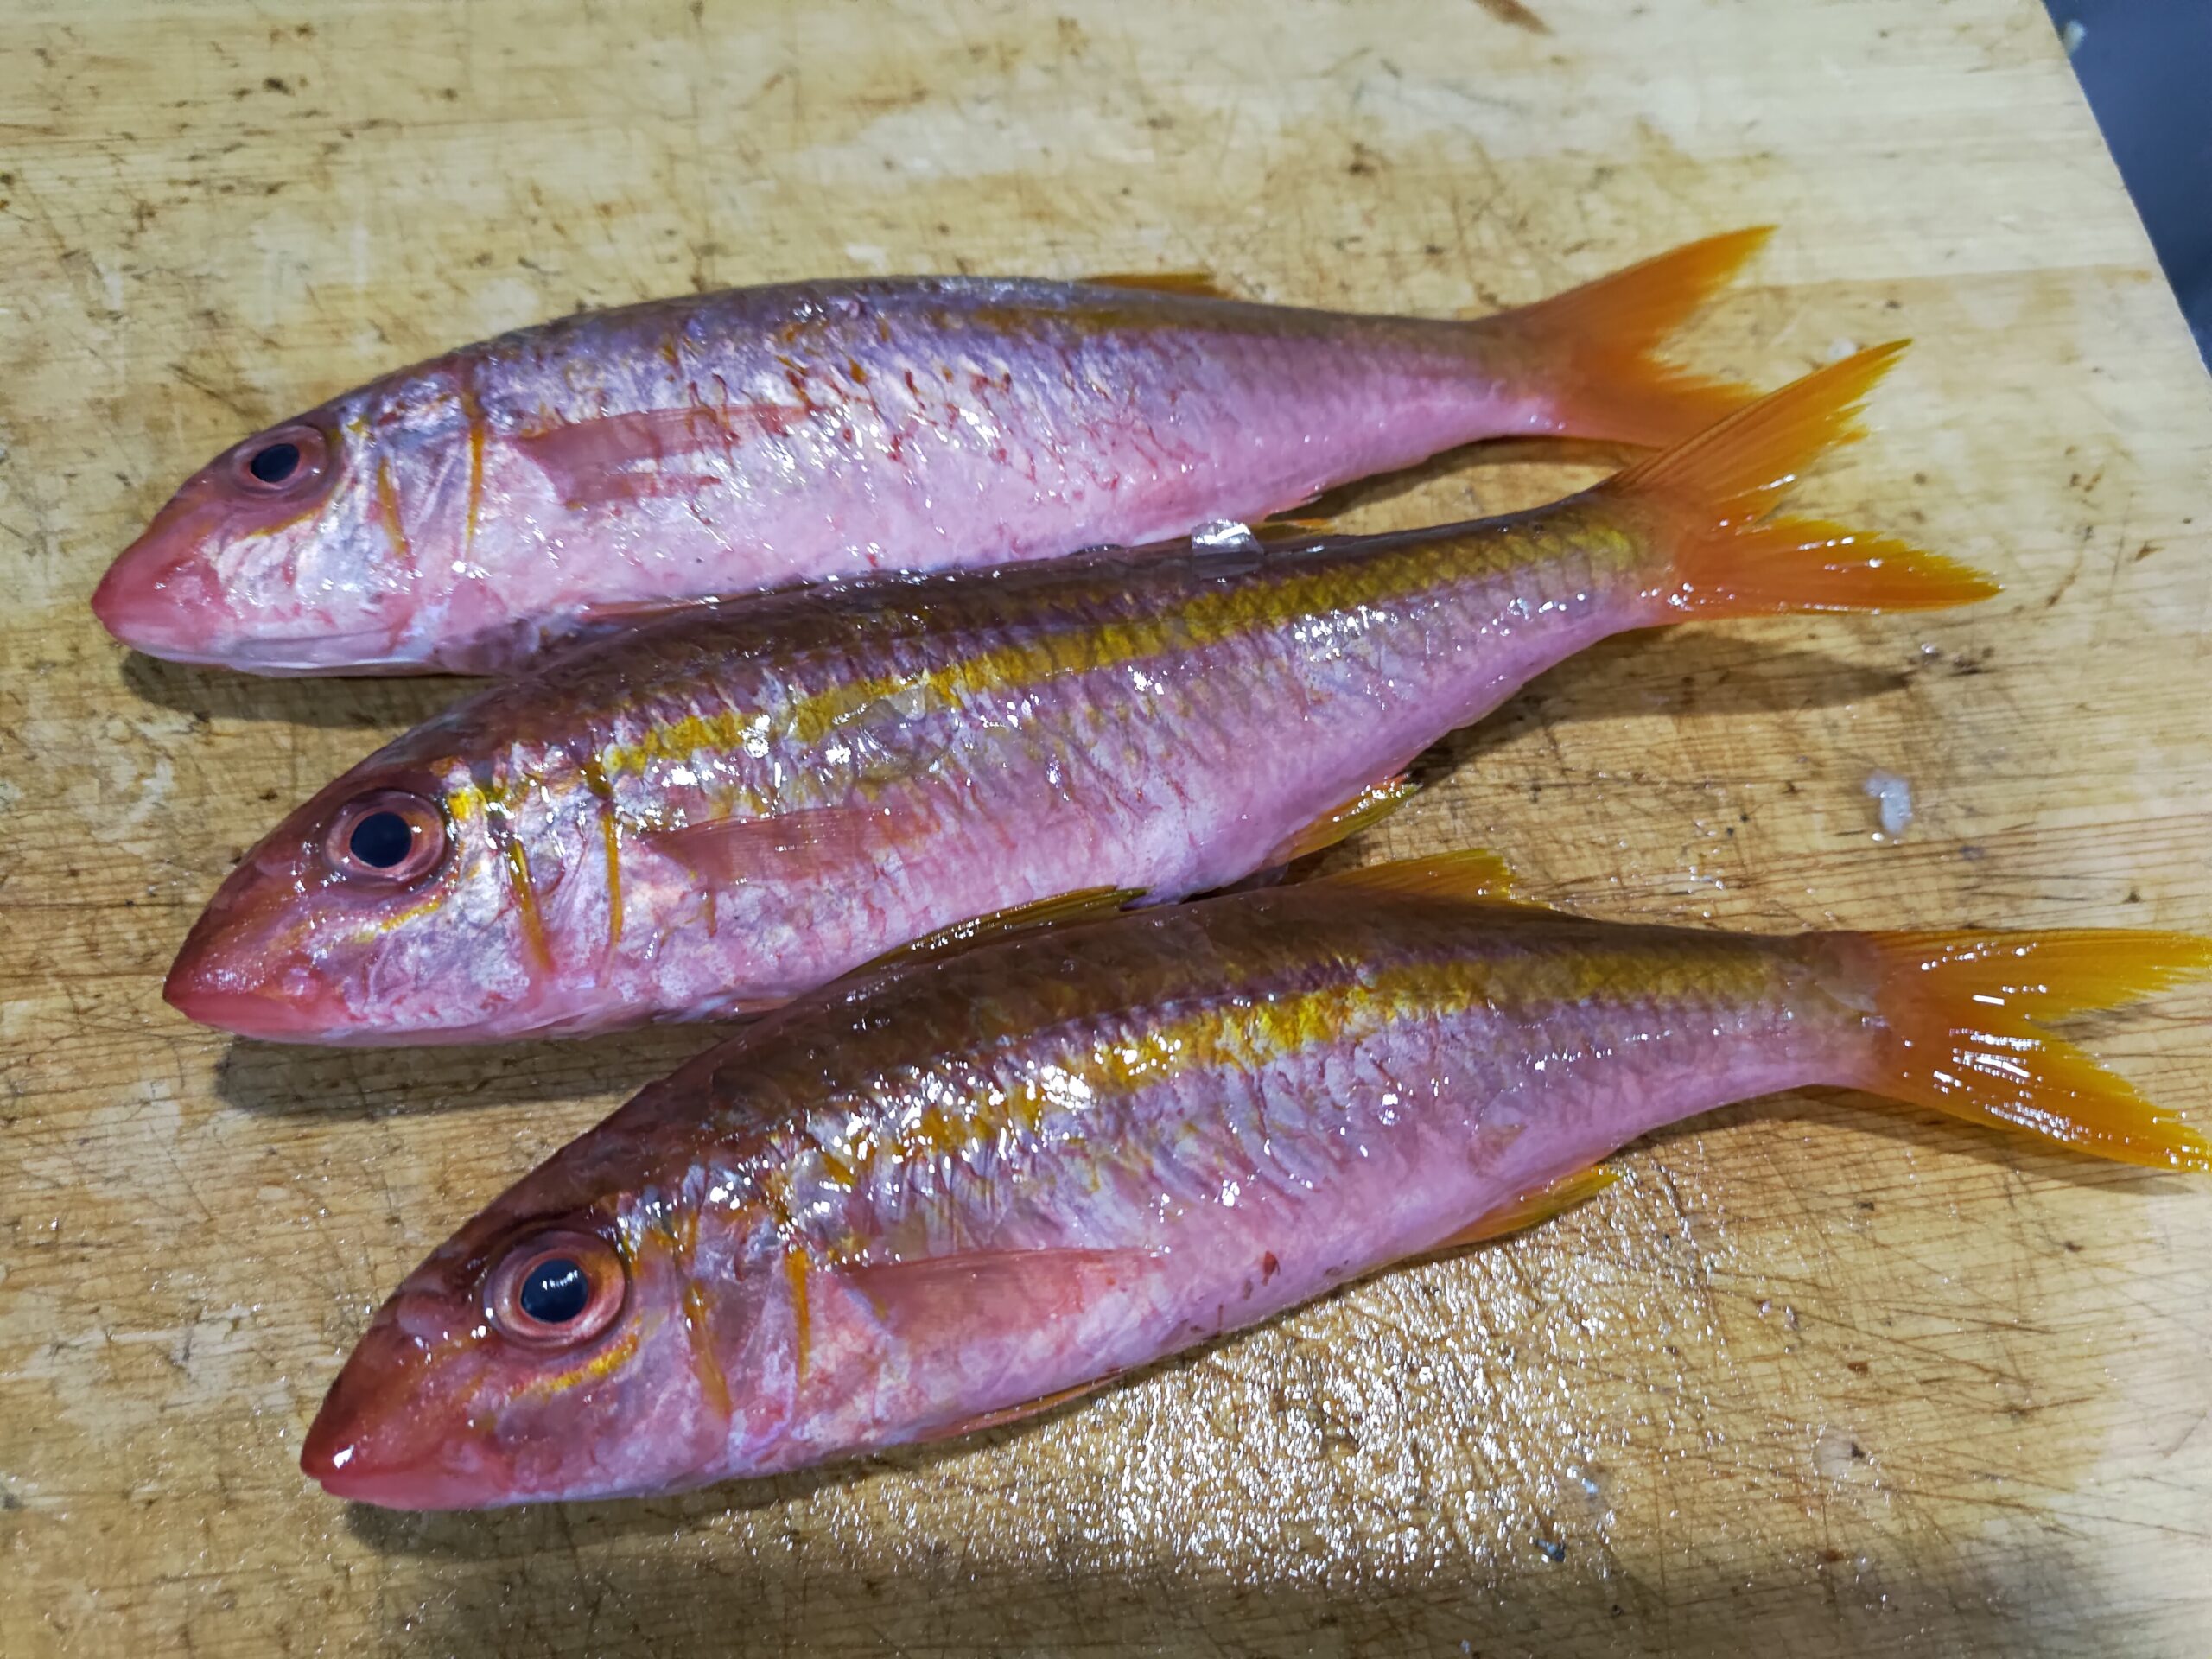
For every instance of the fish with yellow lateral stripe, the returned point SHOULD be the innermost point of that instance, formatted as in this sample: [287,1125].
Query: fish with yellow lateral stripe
[716,812]
[966,1189]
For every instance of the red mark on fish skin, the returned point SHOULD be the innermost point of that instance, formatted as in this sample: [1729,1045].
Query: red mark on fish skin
[590,460]
[1269,1266]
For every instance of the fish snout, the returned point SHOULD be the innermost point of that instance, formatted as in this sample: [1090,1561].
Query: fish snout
[160,596]
[381,1439]
[232,975]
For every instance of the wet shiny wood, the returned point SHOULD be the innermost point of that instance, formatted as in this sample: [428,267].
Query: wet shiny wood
[1858,1379]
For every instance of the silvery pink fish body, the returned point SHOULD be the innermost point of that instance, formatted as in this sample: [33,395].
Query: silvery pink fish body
[459,514]
[962,1190]
[716,811]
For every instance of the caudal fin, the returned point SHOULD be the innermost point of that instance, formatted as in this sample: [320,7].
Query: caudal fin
[1707,503]
[1964,1015]
[1589,349]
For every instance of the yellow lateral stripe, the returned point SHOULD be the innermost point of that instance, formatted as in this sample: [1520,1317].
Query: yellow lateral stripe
[1251,1034]
[795,1271]
[1208,617]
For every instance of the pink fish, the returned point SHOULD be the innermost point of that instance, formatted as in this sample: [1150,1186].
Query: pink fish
[969,1189]
[715,812]
[458,514]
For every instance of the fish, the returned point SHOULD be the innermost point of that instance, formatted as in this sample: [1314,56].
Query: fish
[461,514]
[958,1191]
[709,814]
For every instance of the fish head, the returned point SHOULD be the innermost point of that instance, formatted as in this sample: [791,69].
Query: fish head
[541,1354]
[316,544]
[407,902]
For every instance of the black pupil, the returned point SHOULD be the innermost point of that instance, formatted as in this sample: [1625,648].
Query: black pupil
[555,1291]
[274,465]
[381,840]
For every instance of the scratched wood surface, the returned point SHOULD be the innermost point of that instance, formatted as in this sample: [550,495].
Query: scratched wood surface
[1826,1377]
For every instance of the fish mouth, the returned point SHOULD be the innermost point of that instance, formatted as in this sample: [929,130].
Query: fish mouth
[343,1462]
[259,1013]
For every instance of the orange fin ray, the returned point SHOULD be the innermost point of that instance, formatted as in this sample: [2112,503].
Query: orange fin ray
[1708,501]
[1588,352]
[1362,811]
[1962,1032]
[1534,1208]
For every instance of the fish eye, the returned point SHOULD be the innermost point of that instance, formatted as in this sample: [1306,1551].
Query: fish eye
[388,836]
[555,1289]
[284,461]
[274,464]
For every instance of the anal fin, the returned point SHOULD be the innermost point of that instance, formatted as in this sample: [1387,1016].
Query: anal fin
[1362,811]
[1534,1208]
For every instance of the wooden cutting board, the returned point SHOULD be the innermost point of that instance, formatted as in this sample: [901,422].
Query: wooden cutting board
[1818,1377]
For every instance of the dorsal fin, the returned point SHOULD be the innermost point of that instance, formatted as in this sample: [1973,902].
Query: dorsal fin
[1191,285]
[1473,874]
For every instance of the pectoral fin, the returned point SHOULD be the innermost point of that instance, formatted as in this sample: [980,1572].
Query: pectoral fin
[1474,874]
[1192,284]
[943,1298]
[1005,1414]
[810,843]
[616,458]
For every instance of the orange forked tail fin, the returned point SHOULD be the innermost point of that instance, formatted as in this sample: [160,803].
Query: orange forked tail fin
[1590,348]
[1964,1015]
[1707,502]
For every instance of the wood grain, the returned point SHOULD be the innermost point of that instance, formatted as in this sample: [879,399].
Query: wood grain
[1833,1378]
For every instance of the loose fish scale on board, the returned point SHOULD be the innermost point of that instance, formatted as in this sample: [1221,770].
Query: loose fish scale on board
[1368,1477]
